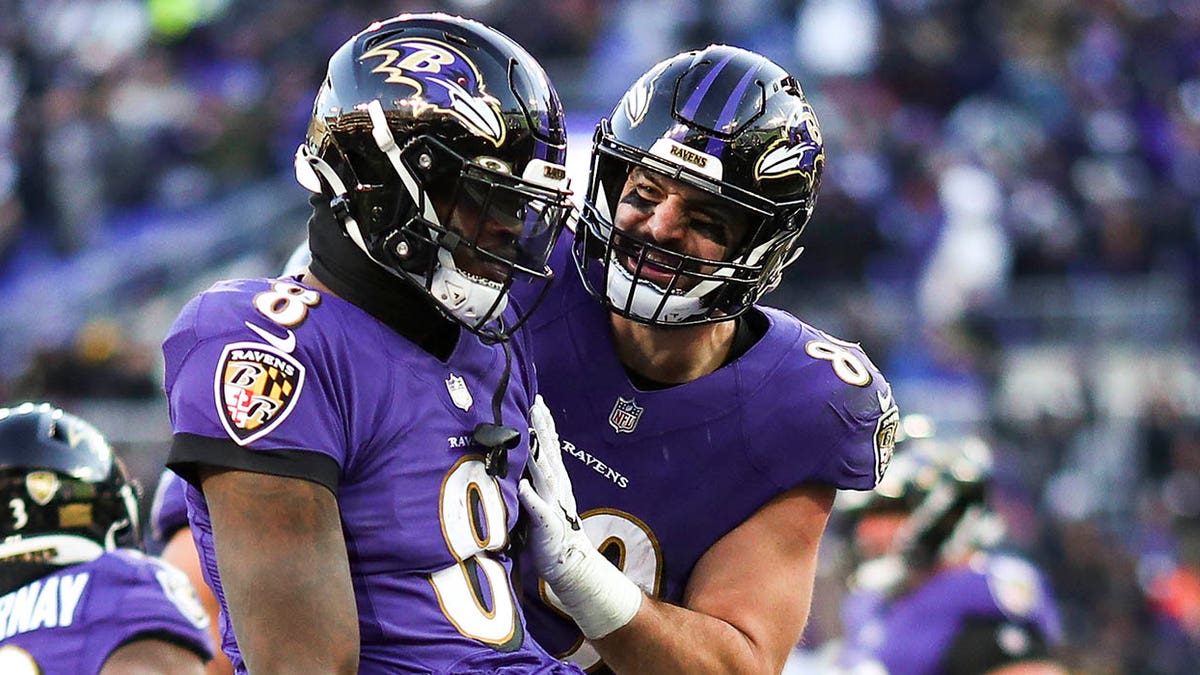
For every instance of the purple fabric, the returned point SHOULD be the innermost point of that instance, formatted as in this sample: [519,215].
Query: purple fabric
[912,633]
[383,410]
[168,513]
[669,472]
[71,621]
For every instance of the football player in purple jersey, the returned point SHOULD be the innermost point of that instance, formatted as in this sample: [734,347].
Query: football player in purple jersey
[76,596]
[352,436]
[169,528]
[704,434]
[933,593]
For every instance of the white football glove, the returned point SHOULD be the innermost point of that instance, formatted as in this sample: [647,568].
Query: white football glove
[591,589]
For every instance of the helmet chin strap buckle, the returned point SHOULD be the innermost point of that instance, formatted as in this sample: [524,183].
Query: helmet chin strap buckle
[340,207]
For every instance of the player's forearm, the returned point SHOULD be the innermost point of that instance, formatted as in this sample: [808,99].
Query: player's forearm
[273,644]
[291,621]
[284,571]
[665,638]
[287,627]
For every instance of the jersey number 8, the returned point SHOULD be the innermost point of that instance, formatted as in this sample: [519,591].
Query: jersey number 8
[473,517]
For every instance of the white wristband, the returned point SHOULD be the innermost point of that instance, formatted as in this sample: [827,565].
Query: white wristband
[598,596]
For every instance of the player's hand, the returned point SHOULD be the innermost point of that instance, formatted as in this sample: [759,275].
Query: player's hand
[595,593]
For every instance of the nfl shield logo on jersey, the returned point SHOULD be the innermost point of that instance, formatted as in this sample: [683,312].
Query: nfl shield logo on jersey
[625,415]
[458,392]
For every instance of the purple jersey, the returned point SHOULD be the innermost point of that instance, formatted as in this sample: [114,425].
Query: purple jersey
[71,621]
[661,475]
[168,512]
[274,365]
[917,633]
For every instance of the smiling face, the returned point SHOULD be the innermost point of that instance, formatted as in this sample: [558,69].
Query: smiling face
[680,219]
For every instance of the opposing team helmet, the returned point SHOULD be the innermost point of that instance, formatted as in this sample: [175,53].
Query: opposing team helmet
[439,140]
[729,122]
[67,497]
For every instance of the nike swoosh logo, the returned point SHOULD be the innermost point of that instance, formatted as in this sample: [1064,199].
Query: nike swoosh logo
[885,399]
[285,345]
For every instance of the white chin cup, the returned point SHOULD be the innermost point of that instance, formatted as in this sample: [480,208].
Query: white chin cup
[647,297]
[466,296]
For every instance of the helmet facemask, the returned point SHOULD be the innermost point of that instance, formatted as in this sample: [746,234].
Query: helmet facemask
[463,229]
[700,290]
[440,144]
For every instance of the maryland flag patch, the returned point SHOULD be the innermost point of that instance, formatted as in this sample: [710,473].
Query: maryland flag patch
[256,388]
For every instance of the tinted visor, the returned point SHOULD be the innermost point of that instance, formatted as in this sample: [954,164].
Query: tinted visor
[512,224]
[506,222]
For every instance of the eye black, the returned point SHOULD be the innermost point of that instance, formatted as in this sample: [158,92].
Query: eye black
[710,231]
[638,202]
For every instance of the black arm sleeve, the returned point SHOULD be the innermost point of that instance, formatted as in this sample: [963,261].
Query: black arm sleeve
[189,451]
[983,644]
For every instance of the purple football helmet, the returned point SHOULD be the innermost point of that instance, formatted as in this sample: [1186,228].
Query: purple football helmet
[439,140]
[733,124]
[67,495]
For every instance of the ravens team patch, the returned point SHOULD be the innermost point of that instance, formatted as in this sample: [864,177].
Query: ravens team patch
[180,592]
[256,388]
[885,440]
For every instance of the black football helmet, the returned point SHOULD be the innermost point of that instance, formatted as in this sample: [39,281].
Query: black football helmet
[727,121]
[940,486]
[441,145]
[66,496]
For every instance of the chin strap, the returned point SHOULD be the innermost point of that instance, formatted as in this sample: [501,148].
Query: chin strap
[648,301]
[473,300]
[311,171]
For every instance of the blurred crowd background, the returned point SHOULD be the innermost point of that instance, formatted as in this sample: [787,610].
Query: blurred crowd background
[1010,224]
